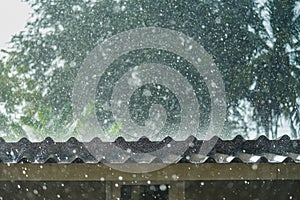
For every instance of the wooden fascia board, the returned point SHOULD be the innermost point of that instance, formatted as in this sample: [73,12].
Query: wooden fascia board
[173,172]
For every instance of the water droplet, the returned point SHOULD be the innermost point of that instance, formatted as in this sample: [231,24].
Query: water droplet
[174,177]
[163,187]
[146,93]
[254,167]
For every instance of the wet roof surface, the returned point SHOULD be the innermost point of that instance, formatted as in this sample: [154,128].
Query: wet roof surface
[143,150]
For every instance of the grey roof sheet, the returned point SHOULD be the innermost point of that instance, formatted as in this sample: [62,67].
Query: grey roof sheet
[143,150]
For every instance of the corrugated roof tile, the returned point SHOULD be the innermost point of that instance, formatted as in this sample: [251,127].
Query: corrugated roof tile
[145,151]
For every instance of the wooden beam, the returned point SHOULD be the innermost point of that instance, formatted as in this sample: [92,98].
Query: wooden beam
[173,172]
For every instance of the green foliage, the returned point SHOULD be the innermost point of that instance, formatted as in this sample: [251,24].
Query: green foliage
[47,122]
[41,72]
[273,70]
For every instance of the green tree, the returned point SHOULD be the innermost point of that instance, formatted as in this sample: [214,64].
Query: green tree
[62,33]
[274,70]
[11,87]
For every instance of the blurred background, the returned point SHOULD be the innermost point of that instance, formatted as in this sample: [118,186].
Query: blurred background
[255,44]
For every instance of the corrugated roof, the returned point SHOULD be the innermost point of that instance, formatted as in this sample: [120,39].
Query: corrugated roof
[143,150]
